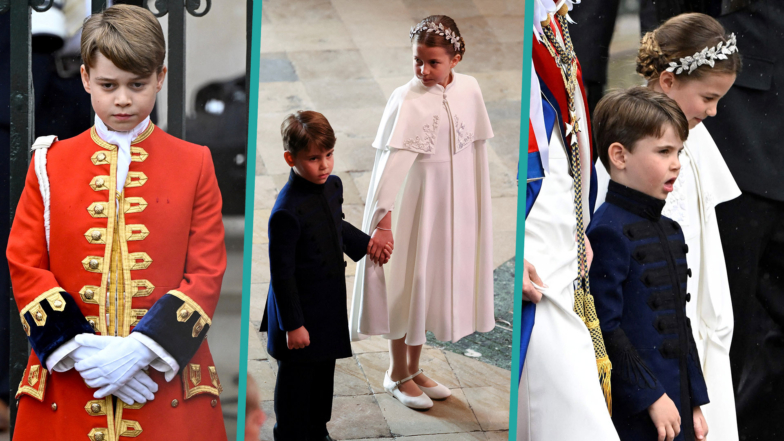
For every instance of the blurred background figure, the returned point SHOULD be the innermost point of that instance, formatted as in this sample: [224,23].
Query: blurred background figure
[254,416]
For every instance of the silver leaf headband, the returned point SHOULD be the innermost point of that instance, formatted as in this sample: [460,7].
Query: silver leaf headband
[438,29]
[707,56]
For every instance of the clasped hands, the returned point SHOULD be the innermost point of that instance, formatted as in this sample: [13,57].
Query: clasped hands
[114,366]
[381,242]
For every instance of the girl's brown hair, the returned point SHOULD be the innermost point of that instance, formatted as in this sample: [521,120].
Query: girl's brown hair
[431,39]
[305,128]
[129,36]
[680,37]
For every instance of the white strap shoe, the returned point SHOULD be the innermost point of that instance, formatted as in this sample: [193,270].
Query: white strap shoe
[437,392]
[417,402]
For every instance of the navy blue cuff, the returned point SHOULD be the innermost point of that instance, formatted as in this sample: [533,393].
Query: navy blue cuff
[179,326]
[52,321]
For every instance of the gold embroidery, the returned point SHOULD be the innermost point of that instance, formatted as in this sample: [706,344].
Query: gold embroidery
[192,304]
[39,315]
[32,375]
[130,428]
[96,235]
[95,407]
[146,286]
[139,260]
[215,379]
[99,434]
[100,183]
[198,327]
[25,326]
[56,301]
[97,139]
[145,134]
[134,205]
[93,321]
[135,179]
[39,299]
[97,209]
[136,232]
[93,264]
[99,158]
[137,315]
[88,293]
[195,373]
[184,312]
[37,393]
[135,406]
[191,391]
[138,154]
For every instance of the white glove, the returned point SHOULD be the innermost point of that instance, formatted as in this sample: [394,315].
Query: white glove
[116,365]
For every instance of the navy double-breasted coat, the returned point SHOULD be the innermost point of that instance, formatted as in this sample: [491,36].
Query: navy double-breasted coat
[307,238]
[638,280]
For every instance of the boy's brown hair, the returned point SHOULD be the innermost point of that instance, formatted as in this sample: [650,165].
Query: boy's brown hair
[305,128]
[627,116]
[129,36]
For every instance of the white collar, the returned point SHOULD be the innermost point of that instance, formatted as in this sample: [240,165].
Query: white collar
[123,142]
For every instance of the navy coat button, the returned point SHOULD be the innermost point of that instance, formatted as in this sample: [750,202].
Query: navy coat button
[343,215]
[688,272]
[345,264]
[688,297]
[685,248]
[341,200]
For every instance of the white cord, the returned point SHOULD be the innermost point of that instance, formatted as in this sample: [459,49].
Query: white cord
[40,146]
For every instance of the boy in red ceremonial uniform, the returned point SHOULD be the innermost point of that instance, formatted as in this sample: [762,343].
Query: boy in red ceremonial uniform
[117,256]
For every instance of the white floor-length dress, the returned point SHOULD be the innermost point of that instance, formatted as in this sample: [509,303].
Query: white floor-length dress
[431,171]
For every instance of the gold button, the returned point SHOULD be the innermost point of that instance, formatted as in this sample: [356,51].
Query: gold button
[95,407]
[101,156]
[96,235]
[99,182]
[98,436]
[214,403]
[183,313]
[39,316]
[92,323]
[58,303]
[89,294]
[93,264]
[54,406]
[175,403]
[99,208]
[198,328]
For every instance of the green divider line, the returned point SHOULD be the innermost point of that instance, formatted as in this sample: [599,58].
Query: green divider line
[250,184]
[521,190]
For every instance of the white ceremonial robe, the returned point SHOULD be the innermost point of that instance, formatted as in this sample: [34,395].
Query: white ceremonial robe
[705,181]
[560,397]
[430,144]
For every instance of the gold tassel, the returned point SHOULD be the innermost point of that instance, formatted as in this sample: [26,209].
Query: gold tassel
[605,367]
[602,359]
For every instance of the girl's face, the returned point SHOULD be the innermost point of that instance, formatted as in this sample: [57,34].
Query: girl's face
[433,65]
[698,98]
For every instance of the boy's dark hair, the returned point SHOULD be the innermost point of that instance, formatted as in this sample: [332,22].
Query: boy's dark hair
[626,116]
[129,36]
[305,128]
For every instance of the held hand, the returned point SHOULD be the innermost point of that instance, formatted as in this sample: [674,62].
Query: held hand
[666,418]
[377,244]
[115,366]
[298,338]
[700,425]
[530,292]
[140,389]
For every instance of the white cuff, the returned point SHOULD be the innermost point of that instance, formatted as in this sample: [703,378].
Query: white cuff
[59,361]
[165,363]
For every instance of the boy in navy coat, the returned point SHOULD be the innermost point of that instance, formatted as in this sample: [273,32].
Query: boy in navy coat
[639,271]
[306,315]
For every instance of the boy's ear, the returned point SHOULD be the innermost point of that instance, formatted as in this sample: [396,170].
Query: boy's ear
[616,153]
[85,78]
[666,81]
[289,158]
[161,77]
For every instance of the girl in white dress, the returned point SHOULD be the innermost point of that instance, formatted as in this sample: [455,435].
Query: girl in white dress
[430,190]
[697,84]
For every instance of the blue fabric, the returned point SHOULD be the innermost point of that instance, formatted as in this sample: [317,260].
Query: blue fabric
[527,319]
[60,327]
[161,324]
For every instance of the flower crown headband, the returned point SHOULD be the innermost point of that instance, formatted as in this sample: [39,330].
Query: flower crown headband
[438,29]
[707,56]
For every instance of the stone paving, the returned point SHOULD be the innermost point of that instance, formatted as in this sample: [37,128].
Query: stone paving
[344,58]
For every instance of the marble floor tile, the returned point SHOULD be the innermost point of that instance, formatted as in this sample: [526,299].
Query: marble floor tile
[260,220]
[491,57]
[375,364]
[502,182]
[271,41]
[264,194]
[317,35]
[266,430]
[282,97]
[497,436]
[457,9]
[472,436]
[256,351]
[354,214]
[500,7]
[258,300]
[276,66]
[300,12]
[452,415]
[349,290]
[348,411]
[507,28]
[265,378]
[434,364]
[350,192]
[474,373]
[354,154]
[506,85]
[389,62]
[382,33]
[349,379]
[281,179]
[362,181]
[476,29]
[334,65]
[260,264]
[375,343]
[388,85]
[261,169]
[359,121]
[490,405]
[329,94]
[369,10]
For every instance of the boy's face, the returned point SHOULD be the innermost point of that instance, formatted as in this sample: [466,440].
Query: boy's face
[432,65]
[120,98]
[652,167]
[313,164]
